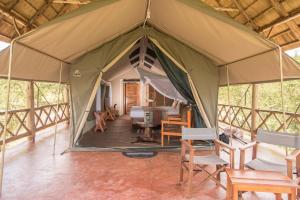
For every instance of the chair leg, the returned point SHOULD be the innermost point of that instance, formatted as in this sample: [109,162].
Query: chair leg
[191,170]
[292,195]
[162,139]
[218,175]
[235,193]
[229,189]
[168,139]
[278,196]
[181,173]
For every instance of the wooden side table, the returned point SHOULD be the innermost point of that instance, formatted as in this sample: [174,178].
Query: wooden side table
[259,181]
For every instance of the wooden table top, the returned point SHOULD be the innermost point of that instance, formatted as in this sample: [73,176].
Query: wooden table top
[260,178]
[145,125]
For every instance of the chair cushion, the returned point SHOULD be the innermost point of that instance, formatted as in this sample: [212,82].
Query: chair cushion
[211,159]
[258,164]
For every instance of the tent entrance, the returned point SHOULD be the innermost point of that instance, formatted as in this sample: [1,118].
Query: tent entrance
[154,91]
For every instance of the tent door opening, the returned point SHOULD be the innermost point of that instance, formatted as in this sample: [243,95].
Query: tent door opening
[131,95]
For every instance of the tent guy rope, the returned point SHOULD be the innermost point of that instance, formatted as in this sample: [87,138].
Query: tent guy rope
[6,114]
[57,107]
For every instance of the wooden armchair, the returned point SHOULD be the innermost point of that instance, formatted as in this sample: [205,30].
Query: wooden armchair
[172,126]
[100,121]
[274,138]
[195,164]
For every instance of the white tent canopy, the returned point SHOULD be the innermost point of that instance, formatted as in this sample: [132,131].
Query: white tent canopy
[209,47]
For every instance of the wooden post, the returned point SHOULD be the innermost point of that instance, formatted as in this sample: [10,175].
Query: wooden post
[253,118]
[66,99]
[30,104]
[253,112]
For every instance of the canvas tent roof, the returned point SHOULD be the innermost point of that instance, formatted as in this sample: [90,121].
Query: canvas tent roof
[210,47]
[191,22]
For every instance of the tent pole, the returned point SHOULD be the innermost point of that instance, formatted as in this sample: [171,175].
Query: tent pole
[71,117]
[57,107]
[281,93]
[6,115]
[147,14]
[229,103]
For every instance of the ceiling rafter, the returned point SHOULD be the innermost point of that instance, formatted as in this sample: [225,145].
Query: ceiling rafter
[293,15]
[9,14]
[245,14]
[245,8]
[13,4]
[291,24]
[41,11]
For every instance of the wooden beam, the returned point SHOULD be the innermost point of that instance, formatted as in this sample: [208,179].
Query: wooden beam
[291,24]
[253,111]
[5,38]
[4,11]
[290,45]
[281,20]
[62,10]
[76,2]
[30,105]
[245,14]
[235,16]
[40,11]
[13,4]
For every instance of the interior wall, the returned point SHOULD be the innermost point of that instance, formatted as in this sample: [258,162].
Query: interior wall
[117,97]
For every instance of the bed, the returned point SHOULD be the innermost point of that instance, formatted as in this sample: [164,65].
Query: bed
[159,112]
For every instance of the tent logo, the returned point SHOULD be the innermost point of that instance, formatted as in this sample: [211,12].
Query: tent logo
[77,73]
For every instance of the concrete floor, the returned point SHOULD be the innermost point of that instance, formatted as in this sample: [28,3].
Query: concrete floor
[33,172]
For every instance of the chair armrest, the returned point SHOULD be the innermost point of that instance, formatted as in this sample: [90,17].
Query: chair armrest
[224,144]
[247,146]
[231,149]
[174,119]
[293,155]
[173,122]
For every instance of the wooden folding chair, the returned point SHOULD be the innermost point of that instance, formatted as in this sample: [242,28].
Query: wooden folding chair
[110,114]
[100,121]
[172,126]
[274,138]
[195,164]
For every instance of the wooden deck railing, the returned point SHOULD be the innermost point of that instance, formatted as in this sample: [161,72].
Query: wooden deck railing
[44,117]
[271,120]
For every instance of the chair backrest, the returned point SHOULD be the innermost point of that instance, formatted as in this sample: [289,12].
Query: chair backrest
[186,115]
[277,138]
[198,133]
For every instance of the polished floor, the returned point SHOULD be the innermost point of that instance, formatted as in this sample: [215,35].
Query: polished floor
[121,134]
[32,172]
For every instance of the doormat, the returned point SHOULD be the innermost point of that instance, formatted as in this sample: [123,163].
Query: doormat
[140,154]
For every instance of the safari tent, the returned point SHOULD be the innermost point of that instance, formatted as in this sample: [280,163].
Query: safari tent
[191,40]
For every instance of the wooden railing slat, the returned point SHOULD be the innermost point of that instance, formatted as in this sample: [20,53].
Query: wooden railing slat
[240,116]
[42,120]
